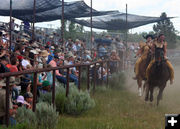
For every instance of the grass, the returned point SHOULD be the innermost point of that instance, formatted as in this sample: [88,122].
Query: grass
[117,109]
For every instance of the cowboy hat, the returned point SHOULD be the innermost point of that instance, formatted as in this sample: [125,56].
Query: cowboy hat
[149,35]
[35,52]
[44,53]
[11,82]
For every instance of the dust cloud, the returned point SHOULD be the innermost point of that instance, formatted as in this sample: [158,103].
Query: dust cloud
[171,94]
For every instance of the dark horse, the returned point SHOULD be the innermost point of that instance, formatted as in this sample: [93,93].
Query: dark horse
[142,72]
[159,74]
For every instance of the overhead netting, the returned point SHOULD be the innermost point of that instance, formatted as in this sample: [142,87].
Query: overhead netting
[50,10]
[25,7]
[117,21]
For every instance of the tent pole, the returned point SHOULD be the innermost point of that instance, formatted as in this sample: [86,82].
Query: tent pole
[34,19]
[10,27]
[62,24]
[91,26]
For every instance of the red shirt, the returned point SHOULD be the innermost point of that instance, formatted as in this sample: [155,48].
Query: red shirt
[13,68]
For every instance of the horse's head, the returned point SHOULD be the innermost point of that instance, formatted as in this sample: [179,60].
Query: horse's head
[159,55]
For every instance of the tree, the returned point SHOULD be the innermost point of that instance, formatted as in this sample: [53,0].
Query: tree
[166,27]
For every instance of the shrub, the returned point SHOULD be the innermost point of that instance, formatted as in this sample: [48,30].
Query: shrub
[76,102]
[26,116]
[45,97]
[46,115]
[60,99]
[117,80]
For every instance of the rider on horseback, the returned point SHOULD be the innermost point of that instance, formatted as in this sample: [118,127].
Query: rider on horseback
[161,43]
[143,52]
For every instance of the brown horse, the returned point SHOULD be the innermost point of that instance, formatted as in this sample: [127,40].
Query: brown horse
[158,76]
[142,72]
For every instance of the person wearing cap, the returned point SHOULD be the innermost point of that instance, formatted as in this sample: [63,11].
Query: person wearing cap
[21,102]
[12,111]
[161,43]
[143,52]
[29,98]
[46,87]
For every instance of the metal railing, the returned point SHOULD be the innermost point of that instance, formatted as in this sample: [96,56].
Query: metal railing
[36,71]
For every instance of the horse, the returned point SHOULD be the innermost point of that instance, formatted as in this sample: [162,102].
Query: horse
[158,76]
[142,72]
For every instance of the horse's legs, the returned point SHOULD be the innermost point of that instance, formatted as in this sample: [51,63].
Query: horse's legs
[139,81]
[147,92]
[151,93]
[144,86]
[159,97]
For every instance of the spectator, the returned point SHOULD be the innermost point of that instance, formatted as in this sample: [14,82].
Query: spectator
[12,111]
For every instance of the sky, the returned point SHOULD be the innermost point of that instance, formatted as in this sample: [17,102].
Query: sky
[139,7]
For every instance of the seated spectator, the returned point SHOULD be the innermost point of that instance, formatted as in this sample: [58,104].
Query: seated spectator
[12,111]
[59,76]
[46,87]
[21,102]
[28,96]
[3,63]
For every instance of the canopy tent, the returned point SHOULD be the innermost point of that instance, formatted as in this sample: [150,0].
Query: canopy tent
[25,7]
[76,9]
[117,21]
[49,10]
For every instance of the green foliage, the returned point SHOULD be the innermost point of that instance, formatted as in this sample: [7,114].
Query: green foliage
[26,116]
[76,102]
[46,115]
[117,80]
[19,126]
[167,28]
[60,99]
[47,97]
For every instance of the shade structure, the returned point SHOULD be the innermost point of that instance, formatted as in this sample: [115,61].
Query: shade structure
[25,7]
[72,10]
[117,21]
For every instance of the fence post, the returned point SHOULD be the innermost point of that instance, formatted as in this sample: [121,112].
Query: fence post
[102,73]
[94,87]
[88,77]
[79,78]
[53,90]
[107,73]
[67,85]
[7,101]
[34,91]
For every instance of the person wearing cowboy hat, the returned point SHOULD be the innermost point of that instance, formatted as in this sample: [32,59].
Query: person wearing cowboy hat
[73,73]
[143,52]
[12,111]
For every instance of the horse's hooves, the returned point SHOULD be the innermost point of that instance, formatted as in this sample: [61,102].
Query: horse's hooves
[146,99]
[151,99]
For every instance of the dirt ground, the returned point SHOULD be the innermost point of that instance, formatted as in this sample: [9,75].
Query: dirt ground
[171,95]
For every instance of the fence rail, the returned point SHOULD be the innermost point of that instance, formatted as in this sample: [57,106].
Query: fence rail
[36,71]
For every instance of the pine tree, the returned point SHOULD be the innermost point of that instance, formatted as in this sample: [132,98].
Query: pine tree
[166,27]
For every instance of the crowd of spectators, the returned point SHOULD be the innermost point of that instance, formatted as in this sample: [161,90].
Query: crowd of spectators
[26,54]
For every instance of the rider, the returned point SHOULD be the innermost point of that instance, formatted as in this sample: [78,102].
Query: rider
[143,52]
[161,43]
